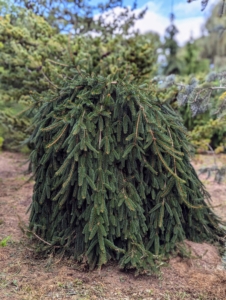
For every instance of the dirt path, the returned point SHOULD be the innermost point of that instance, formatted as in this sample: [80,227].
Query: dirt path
[24,276]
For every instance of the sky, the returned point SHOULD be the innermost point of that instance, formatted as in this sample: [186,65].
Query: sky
[188,17]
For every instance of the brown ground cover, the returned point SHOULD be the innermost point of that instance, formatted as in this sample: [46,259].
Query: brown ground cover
[25,276]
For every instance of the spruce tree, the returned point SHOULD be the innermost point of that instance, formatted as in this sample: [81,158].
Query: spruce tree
[113,178]
[174,64]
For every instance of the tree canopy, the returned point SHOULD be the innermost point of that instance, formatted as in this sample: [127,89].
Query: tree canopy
[82,16]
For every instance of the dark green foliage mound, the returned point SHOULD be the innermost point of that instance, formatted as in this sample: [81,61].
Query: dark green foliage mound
[113,178]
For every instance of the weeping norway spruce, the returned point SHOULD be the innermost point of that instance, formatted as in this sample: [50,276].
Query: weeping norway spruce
[113,179]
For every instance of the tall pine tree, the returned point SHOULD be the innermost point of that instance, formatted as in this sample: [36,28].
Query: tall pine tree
[174,65]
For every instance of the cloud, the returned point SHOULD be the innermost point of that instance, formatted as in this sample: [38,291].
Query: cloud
[153,6]
[157,23]
[189,21]
[183,9]
[152,21]
[189,27]
[187,10]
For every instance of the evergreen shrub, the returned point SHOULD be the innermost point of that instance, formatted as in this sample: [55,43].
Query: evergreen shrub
[113,178]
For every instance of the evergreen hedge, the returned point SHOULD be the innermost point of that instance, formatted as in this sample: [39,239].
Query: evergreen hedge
[113,178]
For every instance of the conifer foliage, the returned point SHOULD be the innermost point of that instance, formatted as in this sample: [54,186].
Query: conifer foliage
[113,178]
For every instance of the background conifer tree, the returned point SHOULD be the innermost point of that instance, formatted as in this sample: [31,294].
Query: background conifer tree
[174,64]
[193,63]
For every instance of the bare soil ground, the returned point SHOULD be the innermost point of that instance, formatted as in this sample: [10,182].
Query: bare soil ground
[24,276]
